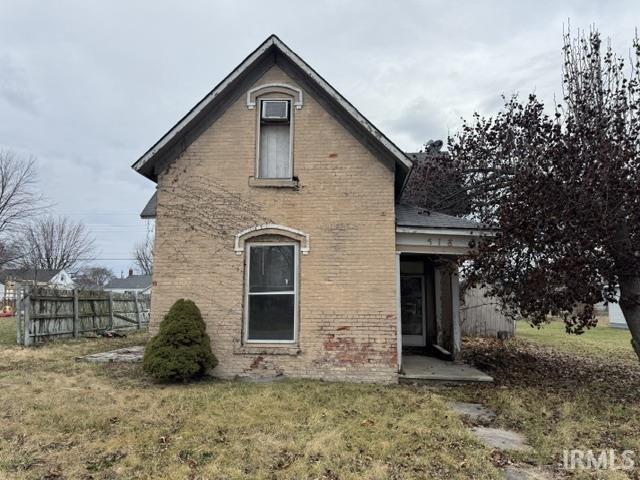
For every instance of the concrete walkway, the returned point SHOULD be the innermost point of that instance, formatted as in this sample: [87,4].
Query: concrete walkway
[501,439]
[479,418]
[123,355]
[420,368]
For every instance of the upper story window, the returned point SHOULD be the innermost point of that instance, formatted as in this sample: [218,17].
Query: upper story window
[274,152]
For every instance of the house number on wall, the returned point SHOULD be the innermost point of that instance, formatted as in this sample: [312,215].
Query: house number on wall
[438,241]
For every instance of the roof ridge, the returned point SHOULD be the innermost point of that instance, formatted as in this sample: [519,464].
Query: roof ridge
[187,121]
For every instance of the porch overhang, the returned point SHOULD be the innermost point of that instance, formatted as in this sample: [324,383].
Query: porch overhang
[441,240]
[419,230]
[438,241]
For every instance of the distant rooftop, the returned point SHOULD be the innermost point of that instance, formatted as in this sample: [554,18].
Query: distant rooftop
[26,274]
[149,210]
[132,282]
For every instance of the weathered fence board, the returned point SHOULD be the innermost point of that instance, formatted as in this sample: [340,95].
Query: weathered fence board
[480,316]
[46,313]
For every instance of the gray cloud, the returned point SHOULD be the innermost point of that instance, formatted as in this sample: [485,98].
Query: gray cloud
[89,86]
[15,85]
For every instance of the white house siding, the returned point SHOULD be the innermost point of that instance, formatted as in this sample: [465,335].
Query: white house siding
[62,279]
[616,318]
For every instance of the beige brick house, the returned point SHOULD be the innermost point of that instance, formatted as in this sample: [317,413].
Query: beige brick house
[277,213]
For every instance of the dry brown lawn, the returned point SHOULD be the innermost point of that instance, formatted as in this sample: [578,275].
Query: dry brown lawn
[67,419]
[63,419]
[564,392]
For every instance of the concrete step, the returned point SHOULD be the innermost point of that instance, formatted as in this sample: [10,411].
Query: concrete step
[423,369]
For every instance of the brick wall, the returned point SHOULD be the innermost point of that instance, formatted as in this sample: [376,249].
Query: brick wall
[345,202]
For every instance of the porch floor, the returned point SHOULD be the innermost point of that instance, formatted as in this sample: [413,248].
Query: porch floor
[419,368]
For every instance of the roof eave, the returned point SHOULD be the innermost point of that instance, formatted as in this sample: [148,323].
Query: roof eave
[144,164]
[175,131]
[466,231]
[399,155]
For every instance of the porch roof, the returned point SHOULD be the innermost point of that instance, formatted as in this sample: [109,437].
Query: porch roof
[410,216]
[421,231]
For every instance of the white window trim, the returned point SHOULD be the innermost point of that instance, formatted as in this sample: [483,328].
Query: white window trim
[271,229]
[253,93]
[259,126]
[295,292]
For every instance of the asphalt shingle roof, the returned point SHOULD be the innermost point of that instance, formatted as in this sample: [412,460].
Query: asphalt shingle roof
[132,282]
[149,210]
[25,274]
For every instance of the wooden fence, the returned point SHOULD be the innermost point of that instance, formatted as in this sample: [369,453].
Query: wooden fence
[45,313]
[480,316]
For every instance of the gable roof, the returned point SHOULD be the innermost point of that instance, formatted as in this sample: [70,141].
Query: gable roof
[149,210]
[27,274]
[133,282]
[271,51]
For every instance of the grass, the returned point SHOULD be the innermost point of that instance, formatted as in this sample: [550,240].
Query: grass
[563,391]
[68,419]
[602,341]
[7,331]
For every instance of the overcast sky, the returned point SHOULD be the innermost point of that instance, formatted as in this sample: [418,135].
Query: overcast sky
[88,86]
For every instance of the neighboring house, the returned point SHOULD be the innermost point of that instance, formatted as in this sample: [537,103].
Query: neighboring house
[133,283]
[13,280]
[278,212]
[616,317]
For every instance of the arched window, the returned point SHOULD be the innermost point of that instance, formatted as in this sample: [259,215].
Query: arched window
[272,267]
[274,149]
[271,229]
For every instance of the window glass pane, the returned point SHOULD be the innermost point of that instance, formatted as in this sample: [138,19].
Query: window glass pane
[271,268]
[274,151]
[271,317]
[416,267]
[411,304]
[276,109]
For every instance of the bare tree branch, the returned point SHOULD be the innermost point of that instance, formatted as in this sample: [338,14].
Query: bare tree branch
[20,200]
[143,256]
[55,243]
[94,277]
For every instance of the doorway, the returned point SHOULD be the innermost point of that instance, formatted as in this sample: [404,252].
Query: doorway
[416,303]
[414,318]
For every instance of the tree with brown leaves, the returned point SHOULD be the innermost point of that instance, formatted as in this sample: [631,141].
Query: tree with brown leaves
[563,187]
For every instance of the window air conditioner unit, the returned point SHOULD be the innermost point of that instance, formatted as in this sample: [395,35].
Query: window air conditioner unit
[275,110]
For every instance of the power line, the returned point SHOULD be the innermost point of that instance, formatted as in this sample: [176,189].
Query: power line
[105,213]
[103,259]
